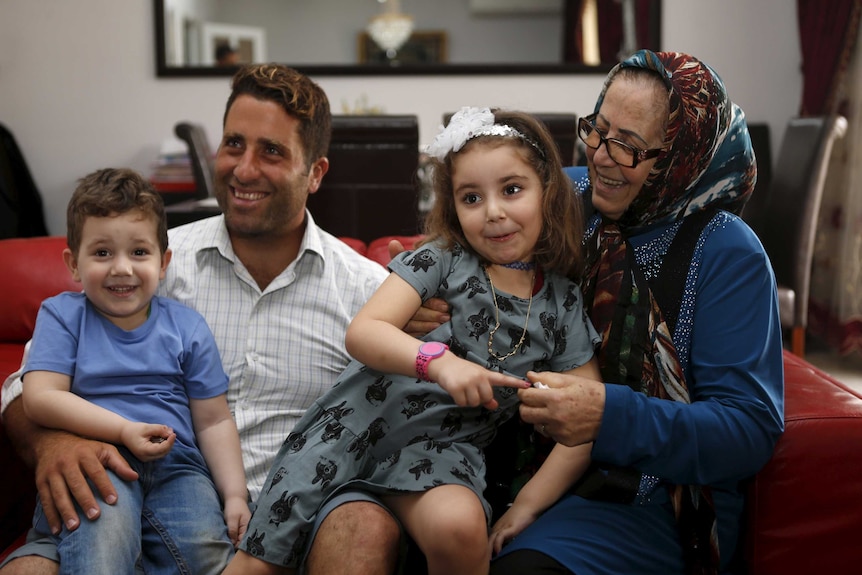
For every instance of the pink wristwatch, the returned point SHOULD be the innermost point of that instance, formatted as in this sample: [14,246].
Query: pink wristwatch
[428,351]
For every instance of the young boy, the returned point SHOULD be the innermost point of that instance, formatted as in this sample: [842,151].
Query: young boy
[106,362]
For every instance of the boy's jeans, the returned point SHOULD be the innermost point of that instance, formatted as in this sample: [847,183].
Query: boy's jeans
[170,520]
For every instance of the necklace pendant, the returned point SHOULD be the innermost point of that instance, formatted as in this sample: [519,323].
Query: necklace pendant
[517,346]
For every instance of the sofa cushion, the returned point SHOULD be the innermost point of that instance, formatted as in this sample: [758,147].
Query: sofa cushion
[34,270]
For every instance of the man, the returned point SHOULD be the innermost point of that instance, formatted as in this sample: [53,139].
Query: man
[278,294]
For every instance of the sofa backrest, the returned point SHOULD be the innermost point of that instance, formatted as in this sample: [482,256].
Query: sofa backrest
[34,270]
[378,249]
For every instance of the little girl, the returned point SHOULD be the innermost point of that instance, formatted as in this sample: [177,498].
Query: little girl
[408,419]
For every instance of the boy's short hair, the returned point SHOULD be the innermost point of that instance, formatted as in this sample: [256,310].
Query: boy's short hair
[109,192]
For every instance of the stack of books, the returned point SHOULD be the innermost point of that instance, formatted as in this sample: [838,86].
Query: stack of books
[172,170]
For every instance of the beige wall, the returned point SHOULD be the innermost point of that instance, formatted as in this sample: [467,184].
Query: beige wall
[78,86]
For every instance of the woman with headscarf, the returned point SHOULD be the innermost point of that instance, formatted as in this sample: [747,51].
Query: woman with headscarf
[684,297]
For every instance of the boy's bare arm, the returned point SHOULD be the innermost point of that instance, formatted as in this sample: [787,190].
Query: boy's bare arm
[49,402]
[218,439]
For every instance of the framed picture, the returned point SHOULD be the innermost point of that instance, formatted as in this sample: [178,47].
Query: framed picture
[248,41]
[423,47]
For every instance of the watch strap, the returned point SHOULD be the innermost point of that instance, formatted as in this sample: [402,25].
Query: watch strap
[422,361]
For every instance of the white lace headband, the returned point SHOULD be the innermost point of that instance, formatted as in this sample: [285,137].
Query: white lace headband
[466,124]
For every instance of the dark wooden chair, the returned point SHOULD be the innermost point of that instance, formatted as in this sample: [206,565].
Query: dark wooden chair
[762,144]
[201,157]
[371,187]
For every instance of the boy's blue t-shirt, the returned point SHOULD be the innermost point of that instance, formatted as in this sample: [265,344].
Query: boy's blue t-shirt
[147,374]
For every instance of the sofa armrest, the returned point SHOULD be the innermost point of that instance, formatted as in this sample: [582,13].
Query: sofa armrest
[34,271]
[803,512]
[17,489]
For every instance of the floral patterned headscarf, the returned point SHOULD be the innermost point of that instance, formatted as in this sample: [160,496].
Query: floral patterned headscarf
[708,159]
[707,164]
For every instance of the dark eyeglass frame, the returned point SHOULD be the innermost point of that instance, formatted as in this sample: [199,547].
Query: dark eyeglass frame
[586,127]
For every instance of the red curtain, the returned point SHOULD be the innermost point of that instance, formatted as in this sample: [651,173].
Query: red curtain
[610,15]
[827,35]
[572,38]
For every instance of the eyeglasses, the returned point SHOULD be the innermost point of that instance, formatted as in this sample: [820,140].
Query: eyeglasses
[619,151]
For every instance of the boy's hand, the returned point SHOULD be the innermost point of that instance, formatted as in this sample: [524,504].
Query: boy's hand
[236,516]
[148,441]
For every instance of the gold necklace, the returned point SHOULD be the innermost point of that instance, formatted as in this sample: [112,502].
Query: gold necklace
[497,319]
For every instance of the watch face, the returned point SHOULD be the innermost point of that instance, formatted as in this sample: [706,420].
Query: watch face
[432,349]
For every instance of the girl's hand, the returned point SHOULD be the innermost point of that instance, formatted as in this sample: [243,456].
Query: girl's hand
[513,521]
[470,384]
[148,441]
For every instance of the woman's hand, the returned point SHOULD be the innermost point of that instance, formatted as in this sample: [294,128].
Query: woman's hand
[569,411]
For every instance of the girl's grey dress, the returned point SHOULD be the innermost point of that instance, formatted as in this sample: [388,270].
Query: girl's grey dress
[387,433]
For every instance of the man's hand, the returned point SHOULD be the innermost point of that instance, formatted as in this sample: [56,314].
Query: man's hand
[570,411]
[433,312]
[64,464]
[395,248]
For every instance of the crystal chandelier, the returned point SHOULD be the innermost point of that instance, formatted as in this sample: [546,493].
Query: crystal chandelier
[391,28]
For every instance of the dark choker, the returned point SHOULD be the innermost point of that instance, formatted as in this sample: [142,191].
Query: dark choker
[523,266]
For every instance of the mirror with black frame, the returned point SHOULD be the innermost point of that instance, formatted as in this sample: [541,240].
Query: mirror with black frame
[335,37]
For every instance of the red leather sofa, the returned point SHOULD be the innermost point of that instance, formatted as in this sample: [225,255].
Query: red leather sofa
[804,510]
